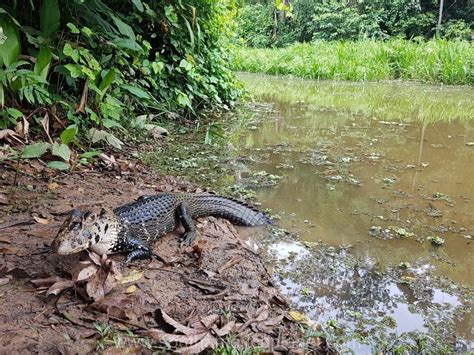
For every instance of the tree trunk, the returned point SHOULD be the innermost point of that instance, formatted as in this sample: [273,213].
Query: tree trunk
[440,17]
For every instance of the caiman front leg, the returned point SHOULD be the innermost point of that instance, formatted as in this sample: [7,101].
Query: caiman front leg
[137,250]
[184,217]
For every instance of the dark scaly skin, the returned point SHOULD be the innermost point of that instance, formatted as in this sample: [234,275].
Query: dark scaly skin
[158,212]
[131,227]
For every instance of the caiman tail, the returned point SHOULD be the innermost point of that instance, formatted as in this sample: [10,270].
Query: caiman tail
[223,207]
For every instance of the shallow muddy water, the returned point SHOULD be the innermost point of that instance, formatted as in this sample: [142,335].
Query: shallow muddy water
[379,168]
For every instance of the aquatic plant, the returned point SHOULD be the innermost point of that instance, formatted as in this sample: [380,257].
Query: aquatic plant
[435,61]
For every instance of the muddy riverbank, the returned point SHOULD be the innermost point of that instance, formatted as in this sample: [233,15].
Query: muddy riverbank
[216,294]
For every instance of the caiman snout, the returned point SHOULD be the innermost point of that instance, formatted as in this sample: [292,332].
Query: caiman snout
[68,240]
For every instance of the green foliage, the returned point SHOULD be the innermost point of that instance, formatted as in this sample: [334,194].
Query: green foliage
[437,61]
[456,29]
[310,20]
[95,64]
[255,25]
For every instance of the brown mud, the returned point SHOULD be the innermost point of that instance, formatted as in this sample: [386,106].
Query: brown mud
[216,293]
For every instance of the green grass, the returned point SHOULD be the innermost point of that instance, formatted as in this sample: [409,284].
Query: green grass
[435,61]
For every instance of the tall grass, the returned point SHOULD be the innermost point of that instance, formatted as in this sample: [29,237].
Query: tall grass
[435,61]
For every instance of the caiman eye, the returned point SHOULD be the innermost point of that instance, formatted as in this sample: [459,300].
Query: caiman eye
[74,226]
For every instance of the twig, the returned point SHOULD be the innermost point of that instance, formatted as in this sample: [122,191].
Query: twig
[58,120]
[210,297]
[82,104]
[17,223]
[120,320]
[233,261]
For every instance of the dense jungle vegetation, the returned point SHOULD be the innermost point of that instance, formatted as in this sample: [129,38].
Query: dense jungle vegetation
[269,23]
[422,40]
[81,70]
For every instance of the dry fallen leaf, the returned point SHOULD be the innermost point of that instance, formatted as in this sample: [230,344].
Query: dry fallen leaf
[59,287]
[95,286]
[4,281]
[95,258]
[108,159]
[46,282]
[86,273]
[125,307]
[160,335]
[300,317]
[3,200]
[22,127]
[9,250]
[134,275]
[53,186]
[131,289]
[9,135]
[101,277]
[208,341]
[42,220]
[200,335]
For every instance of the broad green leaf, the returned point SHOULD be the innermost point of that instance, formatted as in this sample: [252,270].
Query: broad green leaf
[61,150]
[108,123]
[72,27]
[58,165]
[123,28]
[87,31]
[104,136]
[107,80]
[138,4]
[185,64]
[69,51]
[10,48]
[136,91]
[97,135]
[127,44]
[69,134]
[74,69]
[14,114]
[190,31]
[49,17]
[42,62]
[35,150]
[157,67]
[183,100]
[114,141]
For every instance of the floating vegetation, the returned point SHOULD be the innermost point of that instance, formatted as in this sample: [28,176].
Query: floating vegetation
[435,240]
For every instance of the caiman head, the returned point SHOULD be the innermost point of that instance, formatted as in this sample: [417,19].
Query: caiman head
[96,229]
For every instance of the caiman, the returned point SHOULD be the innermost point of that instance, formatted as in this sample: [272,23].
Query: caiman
[131,227]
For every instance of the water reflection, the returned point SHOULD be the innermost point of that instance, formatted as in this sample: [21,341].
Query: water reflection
[395,157]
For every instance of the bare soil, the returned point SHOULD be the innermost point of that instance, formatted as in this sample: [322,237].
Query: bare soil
[202,297]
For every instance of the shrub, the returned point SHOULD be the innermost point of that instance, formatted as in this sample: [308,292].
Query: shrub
[95,63]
